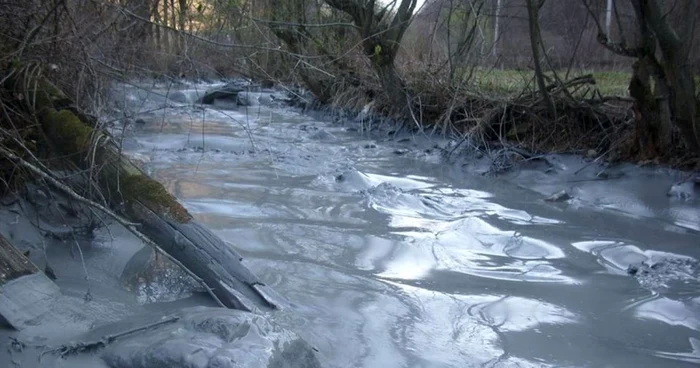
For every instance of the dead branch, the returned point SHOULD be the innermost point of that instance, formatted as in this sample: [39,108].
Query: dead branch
[91,346]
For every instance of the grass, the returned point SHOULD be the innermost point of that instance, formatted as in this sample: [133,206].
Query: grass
[510,82]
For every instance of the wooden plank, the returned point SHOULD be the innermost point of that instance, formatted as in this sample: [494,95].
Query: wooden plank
[13,264]
[25,293]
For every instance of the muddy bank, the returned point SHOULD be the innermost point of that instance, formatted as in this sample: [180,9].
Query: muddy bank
[118,304]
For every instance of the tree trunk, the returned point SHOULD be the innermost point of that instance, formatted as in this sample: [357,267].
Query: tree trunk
[156,18]
[533,10]
[497,20]
[381,34]
[674,74]
[166,22]
[182,23]
[392,83]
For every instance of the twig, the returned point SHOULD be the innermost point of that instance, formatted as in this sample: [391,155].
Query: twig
[79,347]
[129,225]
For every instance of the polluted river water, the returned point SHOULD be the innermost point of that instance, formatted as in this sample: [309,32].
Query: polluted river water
[392,256]
[395,249]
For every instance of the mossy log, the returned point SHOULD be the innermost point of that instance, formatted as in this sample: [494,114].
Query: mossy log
[143,200]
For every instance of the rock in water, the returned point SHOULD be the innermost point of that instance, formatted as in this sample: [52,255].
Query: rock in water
[177,96]
[248,98]
[559,196]
[206,337]
[684,190]
[229,91]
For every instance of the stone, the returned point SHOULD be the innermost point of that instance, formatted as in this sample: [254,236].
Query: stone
[322,135]
[245,98]
[177,96]
[685,190]
[560,196]
[229,91]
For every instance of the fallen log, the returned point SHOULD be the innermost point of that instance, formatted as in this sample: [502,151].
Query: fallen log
[141,199]
[25,292]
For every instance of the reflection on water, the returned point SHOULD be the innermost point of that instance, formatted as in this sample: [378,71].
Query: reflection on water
[399,261]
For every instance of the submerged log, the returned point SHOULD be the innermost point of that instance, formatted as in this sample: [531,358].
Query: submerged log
[25,293]
[143,200]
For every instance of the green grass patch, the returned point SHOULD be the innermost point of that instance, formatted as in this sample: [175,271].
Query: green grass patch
[510,83]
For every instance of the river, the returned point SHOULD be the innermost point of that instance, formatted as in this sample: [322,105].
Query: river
[391,254]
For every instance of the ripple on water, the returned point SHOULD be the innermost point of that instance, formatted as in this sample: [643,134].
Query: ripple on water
[493,277]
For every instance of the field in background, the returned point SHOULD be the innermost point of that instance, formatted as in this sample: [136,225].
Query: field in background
[509,83]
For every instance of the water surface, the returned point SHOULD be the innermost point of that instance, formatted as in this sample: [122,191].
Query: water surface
[390,256]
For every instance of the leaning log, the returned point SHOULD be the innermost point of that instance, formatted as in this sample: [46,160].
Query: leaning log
[26,293]
[141,199]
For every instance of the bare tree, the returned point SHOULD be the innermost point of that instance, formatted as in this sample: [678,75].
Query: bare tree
[381,28]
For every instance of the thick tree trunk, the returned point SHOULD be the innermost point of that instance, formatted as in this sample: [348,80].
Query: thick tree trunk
[393,85]
[381,39]
[675,74]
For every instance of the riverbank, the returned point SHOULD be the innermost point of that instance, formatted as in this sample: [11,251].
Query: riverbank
[587,124]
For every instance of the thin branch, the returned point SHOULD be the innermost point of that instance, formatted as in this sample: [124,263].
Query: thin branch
[80,347]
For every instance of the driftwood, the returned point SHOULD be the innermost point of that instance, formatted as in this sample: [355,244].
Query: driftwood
[142,200]
[13,264]
[25,293]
